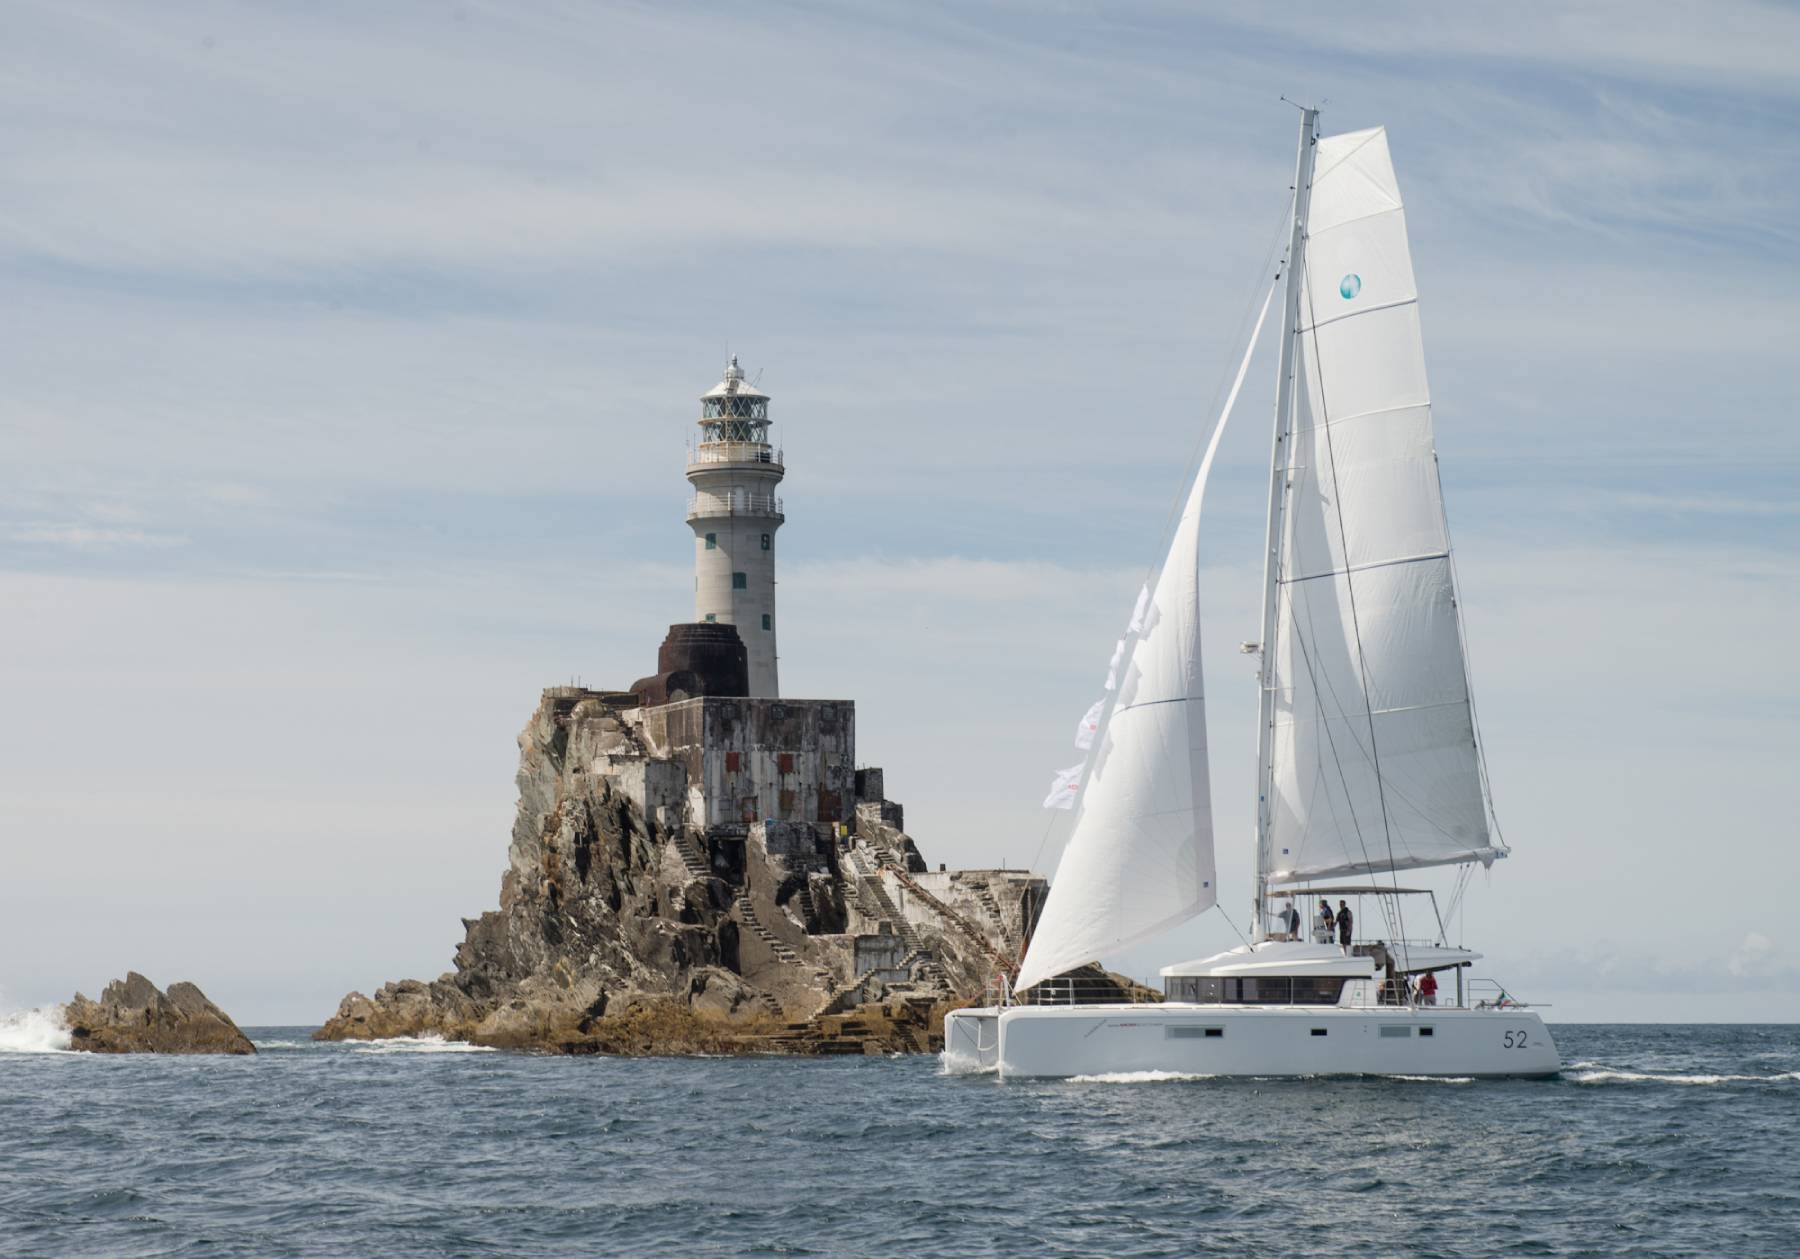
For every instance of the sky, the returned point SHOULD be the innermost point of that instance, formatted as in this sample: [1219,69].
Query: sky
[349,353]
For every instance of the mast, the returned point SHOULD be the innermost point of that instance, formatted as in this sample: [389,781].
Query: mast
[1278,461]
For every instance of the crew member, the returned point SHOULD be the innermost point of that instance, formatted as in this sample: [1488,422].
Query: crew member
[1345,922]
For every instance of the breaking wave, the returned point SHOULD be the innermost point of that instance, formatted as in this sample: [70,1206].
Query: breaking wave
[1433,1079]
[39,1031]
[1600,1073]
[430,1043]
[1139,1077]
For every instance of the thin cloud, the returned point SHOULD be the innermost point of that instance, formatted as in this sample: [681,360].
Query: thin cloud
[90,537]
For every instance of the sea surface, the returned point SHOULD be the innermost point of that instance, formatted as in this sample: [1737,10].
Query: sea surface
[1656,1140]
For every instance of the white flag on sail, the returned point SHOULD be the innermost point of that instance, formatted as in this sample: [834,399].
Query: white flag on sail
[1090,723]
[1063,789]
[1137,613]
[1112,667]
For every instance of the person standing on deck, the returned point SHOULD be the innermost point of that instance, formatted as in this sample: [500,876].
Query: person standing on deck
[1345,922]
[1428,989]
[1327,925]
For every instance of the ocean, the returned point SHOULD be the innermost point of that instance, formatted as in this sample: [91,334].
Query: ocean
[1656,1140]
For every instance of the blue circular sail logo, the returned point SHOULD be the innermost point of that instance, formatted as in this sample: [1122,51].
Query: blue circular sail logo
[1350,285]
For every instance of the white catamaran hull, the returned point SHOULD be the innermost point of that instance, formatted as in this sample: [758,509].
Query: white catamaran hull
[1060,1041]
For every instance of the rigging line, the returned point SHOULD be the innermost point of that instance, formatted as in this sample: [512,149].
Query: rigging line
[1331,744]
[1337,503]
[1273,254]
[1038,856]
[1282,591]
[1124,657]
[1220,906]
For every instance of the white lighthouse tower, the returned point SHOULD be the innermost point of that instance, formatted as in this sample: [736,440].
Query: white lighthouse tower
[735,513]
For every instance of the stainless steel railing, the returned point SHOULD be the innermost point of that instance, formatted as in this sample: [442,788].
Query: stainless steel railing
[734,452]
[738,504]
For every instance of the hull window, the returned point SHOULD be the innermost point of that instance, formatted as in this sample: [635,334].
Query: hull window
[1262,990]
[1396,1031]
[1192,1032]
[1321,1031]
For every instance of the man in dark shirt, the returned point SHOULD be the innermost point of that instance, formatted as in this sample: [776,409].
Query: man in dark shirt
[1344,923]
[1327,923]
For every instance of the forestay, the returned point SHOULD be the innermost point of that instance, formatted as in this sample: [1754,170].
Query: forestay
[1373,764]
[1140,858]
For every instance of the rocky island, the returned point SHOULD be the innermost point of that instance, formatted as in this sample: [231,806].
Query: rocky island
[698,863]
[134,1016]
[711,874]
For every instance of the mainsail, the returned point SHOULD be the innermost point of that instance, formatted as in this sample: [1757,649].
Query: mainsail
[1372,762]
[1140,859]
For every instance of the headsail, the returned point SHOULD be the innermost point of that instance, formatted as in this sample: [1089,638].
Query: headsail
[1140,859]
[1372,758]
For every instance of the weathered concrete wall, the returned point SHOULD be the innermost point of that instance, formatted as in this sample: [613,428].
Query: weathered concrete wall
[750,760]
[879,953]
[658,788]
[802,845]
[1003,903]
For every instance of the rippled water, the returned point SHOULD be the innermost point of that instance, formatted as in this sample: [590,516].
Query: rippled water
[1667,1140]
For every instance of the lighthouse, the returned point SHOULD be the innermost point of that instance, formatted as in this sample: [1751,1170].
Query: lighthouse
[734,513]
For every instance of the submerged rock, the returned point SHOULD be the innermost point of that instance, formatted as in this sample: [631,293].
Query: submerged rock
[134,1016]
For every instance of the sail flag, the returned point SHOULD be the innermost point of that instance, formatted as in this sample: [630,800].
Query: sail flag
[1063,788]
[1088,726]
[1140,859]
[1373,764]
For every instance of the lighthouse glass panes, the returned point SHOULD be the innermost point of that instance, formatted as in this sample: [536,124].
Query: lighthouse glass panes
[734,513]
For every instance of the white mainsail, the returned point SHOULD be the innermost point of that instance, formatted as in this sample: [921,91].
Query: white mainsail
[1372,757]
[1140,858]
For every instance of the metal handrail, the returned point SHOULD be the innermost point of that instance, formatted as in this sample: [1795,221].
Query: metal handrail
[735,505]
[734,452]
[1069,990]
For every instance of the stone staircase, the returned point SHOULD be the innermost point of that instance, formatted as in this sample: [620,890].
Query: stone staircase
[875,901]
[687,847]
[747,914]
[984,896]
[809,908]
[885,904]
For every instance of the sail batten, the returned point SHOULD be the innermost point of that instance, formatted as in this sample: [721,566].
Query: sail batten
[1372,764]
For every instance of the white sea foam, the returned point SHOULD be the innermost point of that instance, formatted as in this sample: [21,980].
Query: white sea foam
[430,1043]
[39,1031]
[962,1064]
[1600,1073]
[1434,1079]
[1138,1077]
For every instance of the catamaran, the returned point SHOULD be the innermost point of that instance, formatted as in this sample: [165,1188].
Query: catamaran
[1368,760]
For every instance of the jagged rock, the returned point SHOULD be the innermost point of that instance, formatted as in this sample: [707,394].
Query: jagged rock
[632,920]
[134,1016]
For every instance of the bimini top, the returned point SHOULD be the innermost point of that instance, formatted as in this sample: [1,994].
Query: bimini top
[1298,958]
[1277,957]
[1362,889]
[733,385]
